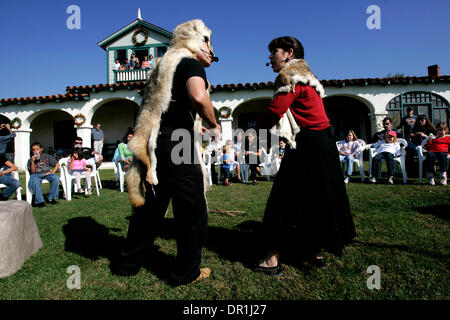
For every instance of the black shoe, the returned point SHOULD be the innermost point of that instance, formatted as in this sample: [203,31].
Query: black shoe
[126,266]
[2,198]
[53,201]
[39,205]
[272,271]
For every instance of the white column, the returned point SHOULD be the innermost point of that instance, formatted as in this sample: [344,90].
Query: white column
[84,132]
[22,147]
[227,129]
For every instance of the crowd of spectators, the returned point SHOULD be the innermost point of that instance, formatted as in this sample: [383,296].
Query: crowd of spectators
[133,63]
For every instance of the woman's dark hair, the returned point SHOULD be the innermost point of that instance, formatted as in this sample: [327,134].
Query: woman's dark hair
[427,128]
[125,140]
[287,43]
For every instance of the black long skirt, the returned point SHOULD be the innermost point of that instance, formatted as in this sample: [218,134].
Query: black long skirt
[308,209]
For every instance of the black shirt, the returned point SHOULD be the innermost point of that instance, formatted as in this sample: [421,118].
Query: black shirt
[181,113]
[2,160]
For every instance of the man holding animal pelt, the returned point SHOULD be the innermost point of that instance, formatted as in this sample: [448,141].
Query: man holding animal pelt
[176,98]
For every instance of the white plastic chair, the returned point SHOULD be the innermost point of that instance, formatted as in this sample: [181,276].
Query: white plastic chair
[400,161]
[15,175]
[62,180]
[70,179]
[360,159]
[207,161]
[121,175]
[422,154]
[266,163]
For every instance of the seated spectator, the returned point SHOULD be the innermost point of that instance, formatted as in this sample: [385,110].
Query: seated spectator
[125,154]
[116,66]
[438,148]
[145,64]
[349,150]
[127,65]
[150,60]
[137,65]
[386,149]
[77,165]
[6,167]
[88,153]
[226,165]
[40,167]
[232,156]
[387,126]
[278,152]
[6,136]
[421,130]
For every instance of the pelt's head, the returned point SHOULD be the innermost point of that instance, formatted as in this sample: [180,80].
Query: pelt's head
[190,35]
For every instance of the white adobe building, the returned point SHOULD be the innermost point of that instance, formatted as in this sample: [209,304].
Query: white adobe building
[55,120]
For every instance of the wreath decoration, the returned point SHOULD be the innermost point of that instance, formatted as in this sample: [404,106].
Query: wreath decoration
[16,123]
[79,119]
[135,35]
[224,112]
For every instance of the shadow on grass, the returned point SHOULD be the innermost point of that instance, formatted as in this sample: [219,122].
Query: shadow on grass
[90,239]
[440,211]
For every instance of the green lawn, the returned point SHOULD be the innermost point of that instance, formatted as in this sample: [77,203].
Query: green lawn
[403,229]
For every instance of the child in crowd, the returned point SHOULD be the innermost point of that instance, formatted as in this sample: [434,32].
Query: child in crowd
[349,150]
[226,164]
[77,166]
[386,149]
[437,148]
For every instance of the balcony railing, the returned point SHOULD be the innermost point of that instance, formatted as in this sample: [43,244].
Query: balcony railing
[130,75]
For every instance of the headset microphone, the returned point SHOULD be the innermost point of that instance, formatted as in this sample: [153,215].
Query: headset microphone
[267,64]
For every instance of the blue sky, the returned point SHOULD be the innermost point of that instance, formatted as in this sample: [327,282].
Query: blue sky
[40,56]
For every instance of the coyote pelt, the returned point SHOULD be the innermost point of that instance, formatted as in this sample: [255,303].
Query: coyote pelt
[187,39]
[296,71]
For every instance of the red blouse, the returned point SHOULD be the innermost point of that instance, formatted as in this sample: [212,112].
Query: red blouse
[305,104]
[438,144]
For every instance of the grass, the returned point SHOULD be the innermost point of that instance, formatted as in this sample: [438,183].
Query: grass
[403,229]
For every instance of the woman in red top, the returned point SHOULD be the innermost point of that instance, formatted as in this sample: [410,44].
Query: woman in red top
[437,148]
[308,208]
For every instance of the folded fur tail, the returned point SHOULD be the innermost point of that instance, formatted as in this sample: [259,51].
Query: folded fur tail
[135,178]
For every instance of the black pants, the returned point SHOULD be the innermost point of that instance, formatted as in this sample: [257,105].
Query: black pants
[253,171]
[432,157]
[183,184]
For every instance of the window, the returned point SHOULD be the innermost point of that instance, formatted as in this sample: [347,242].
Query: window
[160,51]
[432,105]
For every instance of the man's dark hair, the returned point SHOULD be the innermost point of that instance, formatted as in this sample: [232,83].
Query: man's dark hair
[388,119]
[287,43]
[36,144]
[78,138]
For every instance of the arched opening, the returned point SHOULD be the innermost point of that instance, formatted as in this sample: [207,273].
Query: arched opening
[247,113]
[3,132]
[346,113]
[435,107]
[55,129]
[116,117]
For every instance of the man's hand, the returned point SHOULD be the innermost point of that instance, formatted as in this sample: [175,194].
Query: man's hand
[216,132]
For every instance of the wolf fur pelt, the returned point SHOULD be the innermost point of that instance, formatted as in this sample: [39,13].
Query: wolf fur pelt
[187,40]
[295,71]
